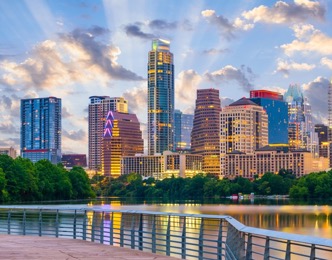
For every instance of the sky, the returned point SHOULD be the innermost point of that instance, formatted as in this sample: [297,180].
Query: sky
[76,49]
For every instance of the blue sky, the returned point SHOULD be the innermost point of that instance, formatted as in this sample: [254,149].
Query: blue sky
[76,49]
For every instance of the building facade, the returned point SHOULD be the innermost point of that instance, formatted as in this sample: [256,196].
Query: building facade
[244,128]
[205,136]
[10,151]
[71,160]
[183,125]
[322,131]
[163,166]
[277,111]
[260,162]
[41,129]
[160,97]
[122,137]
[98,108]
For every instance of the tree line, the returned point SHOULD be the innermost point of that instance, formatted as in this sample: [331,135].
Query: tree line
[21,180]
[314,185]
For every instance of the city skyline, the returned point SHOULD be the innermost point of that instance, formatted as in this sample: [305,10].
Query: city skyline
[74,50]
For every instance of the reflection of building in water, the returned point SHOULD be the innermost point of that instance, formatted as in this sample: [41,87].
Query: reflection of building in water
[162,166]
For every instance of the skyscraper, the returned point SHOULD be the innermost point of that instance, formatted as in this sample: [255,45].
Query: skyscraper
[41,129]
[183,125]
[160,97]
[277,111]
[205,136]
[322,131]
[98,108]
[301,132]
[122,137]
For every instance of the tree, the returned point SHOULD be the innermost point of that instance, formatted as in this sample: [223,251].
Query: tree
[80,183]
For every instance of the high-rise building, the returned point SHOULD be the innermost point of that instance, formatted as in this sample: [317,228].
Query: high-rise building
[98,108]
[205,136]
[244,128]
[122,137]
[10,151]
[160,97]
[322,131]
[301,132]
[183,125]
[71,160]
[41,129]
[277,111]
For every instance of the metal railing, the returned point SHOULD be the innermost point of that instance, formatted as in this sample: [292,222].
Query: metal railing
[186,236]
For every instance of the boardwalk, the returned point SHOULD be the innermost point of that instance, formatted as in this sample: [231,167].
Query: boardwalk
[28,247]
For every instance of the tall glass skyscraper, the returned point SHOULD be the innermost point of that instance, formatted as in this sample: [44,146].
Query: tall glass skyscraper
[183,125]
[41,129]
[160,97]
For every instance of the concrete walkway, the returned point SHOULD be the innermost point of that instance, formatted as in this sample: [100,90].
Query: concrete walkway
[30,247]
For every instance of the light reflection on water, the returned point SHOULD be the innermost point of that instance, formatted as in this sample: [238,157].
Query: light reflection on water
[305,220]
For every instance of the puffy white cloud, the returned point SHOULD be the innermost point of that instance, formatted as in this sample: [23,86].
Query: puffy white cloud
[242,76]
[308,39]
[285,66]
[286,13]
[137,101]
[326,62]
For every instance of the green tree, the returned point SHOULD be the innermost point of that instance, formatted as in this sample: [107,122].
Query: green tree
[80,183]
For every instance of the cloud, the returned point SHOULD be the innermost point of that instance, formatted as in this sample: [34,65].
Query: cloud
[79,135]
[224,26]
[214,51]
[137,99]
[78,56]
[286,13]
[162,25]
[8,128]
[326,62]
[134,30]
[316,91]
[186,85]
[242,76]
[285,66]
[308,39]
[65,113]
[225,101]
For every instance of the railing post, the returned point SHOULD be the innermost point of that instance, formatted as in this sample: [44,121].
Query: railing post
[183,239]
[8,221]
[74,225]
[249,247]
[267,249]
[122,230]
[140,233]
[57,223]
[24,222]
[111,229]
[93,226]
[288,251]
[200,240]
[84,226]
[132,232]
[40,222]
[313,252]
[102,229]
[153,234]
[168,236]
[219,242]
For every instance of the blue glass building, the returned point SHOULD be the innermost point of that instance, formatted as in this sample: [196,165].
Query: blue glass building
[277,111]
[183,125]
[160,97]
[41,129]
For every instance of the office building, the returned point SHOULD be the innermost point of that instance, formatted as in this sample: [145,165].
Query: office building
[163,166]
[277,111]
[71,160]
[122,137]
[10,151]
[205,136]
[322,131]
[301,132]
[41,129]
[98,108]
[243,128]
[269,159]
[160,97]
[183,125]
